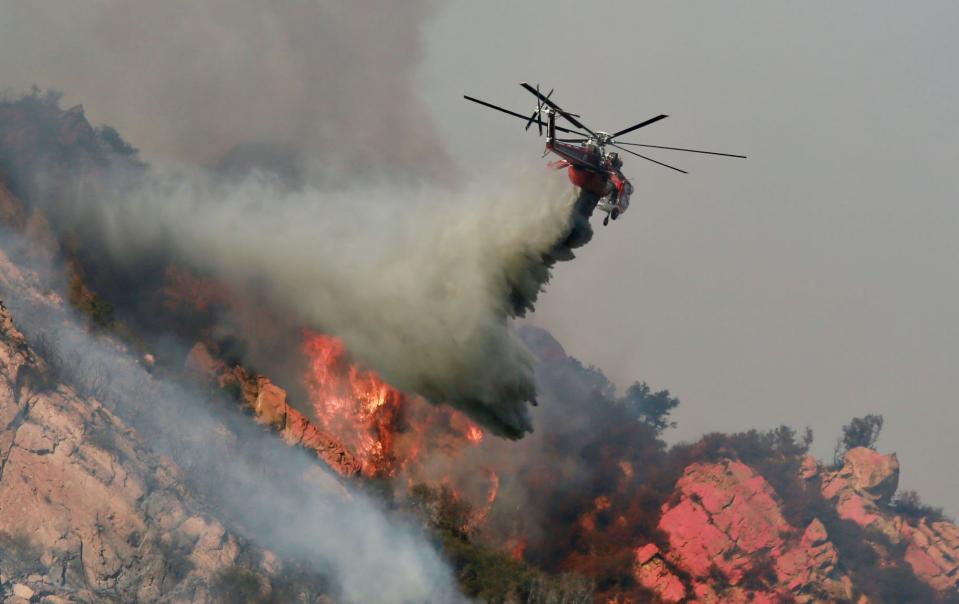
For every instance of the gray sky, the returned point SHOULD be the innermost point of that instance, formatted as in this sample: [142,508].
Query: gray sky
[813,282]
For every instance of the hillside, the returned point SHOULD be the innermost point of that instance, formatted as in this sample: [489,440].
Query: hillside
[163,440]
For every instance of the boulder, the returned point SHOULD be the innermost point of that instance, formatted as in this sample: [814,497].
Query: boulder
[872,474]
[862,486]
[652,572]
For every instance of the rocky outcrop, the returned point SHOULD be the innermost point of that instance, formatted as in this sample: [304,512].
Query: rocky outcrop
[727,533]
[34,130]
[268,404]
[862,486]
[724,512]
[861,490]
[728,540]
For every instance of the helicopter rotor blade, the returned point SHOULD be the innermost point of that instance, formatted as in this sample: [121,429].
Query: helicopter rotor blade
[572,140]
[647,158]
[496,107]
[639,125]
[520,116]
[539,106]
[532,117]
[571,117]
[681,149]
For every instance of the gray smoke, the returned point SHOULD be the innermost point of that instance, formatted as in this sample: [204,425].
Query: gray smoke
[318,85]
[301,512]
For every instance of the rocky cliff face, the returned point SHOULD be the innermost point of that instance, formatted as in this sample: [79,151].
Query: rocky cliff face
[86,512]
[268,404]
[730,542]
[89,512]
[727,533]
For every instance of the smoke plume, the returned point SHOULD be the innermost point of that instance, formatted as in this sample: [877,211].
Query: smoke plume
[328,196]
[419,282]
[317,86]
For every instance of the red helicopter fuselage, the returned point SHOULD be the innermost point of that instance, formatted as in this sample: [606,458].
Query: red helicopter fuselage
[590,169]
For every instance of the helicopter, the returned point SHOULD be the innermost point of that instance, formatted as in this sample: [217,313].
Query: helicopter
[596,172]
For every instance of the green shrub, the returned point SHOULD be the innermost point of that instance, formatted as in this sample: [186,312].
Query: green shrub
[176,560]
[237,585]
[909,505]
[18,556]
[859,432]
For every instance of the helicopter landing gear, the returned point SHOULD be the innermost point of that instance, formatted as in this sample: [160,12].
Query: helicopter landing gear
[606,220]
[615,214]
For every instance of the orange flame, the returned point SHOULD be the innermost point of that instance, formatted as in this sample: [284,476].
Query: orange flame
[405,438]
[355,404]
[474,434]
[516,546]
[388,431]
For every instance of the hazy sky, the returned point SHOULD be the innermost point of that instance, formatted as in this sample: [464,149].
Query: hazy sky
[813,282]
